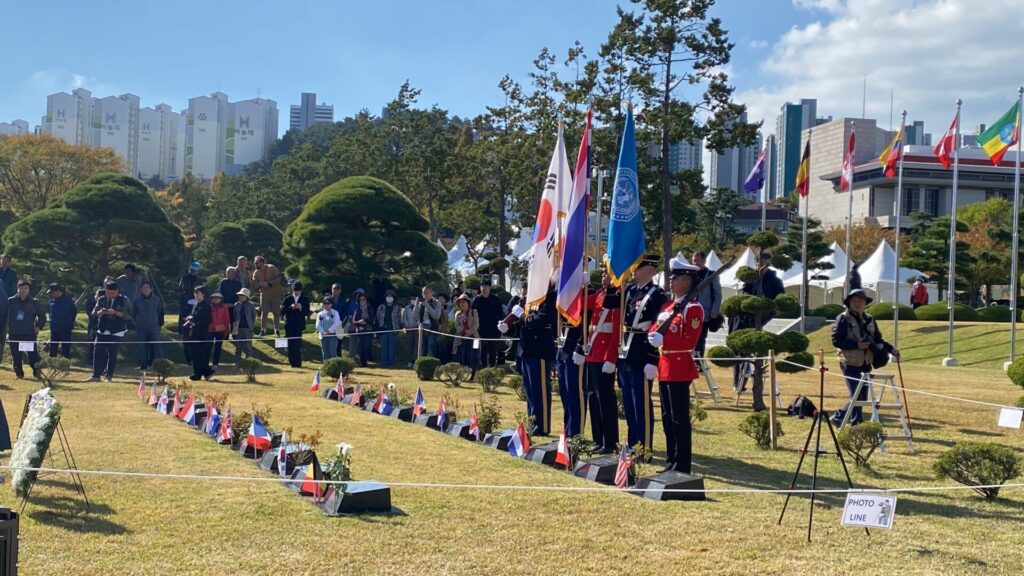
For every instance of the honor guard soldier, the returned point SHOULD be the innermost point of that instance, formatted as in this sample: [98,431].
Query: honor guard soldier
[638,360]
[602,354]
[684,317]
[570,380]
[535,355]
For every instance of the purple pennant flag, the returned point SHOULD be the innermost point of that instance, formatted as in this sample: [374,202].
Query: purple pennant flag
[755,180]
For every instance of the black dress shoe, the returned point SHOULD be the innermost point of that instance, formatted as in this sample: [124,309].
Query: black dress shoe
[605,451]
[669,467]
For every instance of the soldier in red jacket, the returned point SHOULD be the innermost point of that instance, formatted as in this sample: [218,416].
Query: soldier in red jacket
[676,368]
[602,347]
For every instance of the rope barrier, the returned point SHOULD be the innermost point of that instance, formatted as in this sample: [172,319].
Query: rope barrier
[512,487]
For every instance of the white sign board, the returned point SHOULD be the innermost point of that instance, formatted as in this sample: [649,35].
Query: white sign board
[280,343]
[869,510]
[1010,417]
[26,346]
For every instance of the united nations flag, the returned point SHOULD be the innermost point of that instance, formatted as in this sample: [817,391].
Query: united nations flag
[626,228]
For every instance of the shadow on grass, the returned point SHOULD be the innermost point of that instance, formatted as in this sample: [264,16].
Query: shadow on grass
[998,509]
[69,513]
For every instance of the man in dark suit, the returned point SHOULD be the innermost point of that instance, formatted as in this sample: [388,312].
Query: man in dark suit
[295,310]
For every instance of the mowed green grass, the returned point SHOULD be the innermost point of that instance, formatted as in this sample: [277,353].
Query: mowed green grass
[167,526]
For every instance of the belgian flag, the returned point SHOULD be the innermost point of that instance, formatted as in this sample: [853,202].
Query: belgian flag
[803,174]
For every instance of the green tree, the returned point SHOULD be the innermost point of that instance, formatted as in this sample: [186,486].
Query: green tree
[817,248]
[105,219]
[715,213]
[186,201]
[223,243]
[358,227]
[37,169]
[929,253]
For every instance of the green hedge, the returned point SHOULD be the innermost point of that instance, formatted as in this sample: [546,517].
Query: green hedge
[995,314]
[829,311]
[938,311]
[425,367]
[883,311]
[787,306]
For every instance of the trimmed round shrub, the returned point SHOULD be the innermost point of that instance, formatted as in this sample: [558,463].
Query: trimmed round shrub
[938,311]
[338,366]
[780,261]
[979,464]
[830,311]
[756,426]
[804,359]
[791,342]
[861,441]
[472,282]
[733,305]
[1020,402]
[490,378]
[425,367]
[751,342]
[993,314]
[717,352]
[883,311]
[746,274]
[1016,372]
[787,305]
[452,374]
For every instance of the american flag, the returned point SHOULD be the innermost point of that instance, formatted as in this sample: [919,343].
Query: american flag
[339,388]
[142,385]
[357,395]
[622,471]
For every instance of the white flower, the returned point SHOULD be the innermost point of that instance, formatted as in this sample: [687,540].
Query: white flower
[345,449]
[391,387]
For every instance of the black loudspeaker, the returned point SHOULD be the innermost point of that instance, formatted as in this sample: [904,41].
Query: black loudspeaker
[600,469]
[499,440]
[543,453]
[357,498]
[653,487]
[403,412]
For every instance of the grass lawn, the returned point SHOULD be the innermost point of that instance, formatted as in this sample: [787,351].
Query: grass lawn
[148,526]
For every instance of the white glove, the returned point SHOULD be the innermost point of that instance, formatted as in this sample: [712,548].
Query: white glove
[607,368]
[502,327]
[656,339]
[650,372]
[663,317]
[518,311]
[578,359]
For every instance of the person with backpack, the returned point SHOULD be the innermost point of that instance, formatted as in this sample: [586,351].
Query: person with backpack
[918,293]
[861,349]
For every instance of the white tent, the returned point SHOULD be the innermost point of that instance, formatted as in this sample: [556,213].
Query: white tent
[879,270]
[825,284]
[713,261]
[730,284]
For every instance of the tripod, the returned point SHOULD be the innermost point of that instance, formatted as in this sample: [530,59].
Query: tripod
[821,420]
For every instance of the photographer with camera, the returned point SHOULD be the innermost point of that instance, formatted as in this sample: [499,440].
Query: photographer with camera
[861,349]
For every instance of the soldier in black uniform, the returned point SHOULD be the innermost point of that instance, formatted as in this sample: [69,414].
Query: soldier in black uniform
[570,380]
[638,363]
[535,356]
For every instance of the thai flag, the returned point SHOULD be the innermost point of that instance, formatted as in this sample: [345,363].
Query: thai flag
[213,423]
[442,416]
[474,426]
[226,432]
[162,403]
[572,275]
[282,456]
[357,395]
[258,437]
[622,470]
[420,406]
[315,386]
[187,414]
[520,443]
[562,456]
[142,385]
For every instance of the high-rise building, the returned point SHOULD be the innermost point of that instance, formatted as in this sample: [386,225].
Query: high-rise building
[685,156]
[114,125]
[205,135]
[161,143]
[69,116]
[730,168]
[916,136]
[14,128]
[793,119]
[251,131]
[309,112]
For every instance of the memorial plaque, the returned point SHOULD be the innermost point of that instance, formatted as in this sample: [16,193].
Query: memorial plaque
[654,487]
[461,429]
[357,498]
[600,469]
[543,453]
[499,440]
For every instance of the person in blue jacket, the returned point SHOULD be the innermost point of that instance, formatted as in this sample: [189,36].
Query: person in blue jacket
[62,320]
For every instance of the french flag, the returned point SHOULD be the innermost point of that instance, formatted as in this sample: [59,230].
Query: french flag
[442,416]
[520,443]
[315,386]
[420,406]
[187,413]
[572,275]
[258,437]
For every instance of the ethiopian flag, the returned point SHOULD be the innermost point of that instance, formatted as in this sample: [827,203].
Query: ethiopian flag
[1001,135]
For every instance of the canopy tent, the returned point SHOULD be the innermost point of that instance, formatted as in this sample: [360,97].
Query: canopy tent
[878,272]
[713,261]
[825,283]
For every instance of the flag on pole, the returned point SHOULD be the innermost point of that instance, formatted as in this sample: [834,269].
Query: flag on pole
[153,398]
[384,406]
[755,180]
[339,387]
[622,470]
[803,173]
[177,404]
[282,456]
[226,432]
[520,443]
[187,414]
[626,227]
[142,385]
[315,386]
[474,426]
[258,436]
[572,274]
[357,396]
[846,179]
[562,456]
[442,416]
[311,484]
[944,149]
[545,230]
[1000,136]
[212,425]
[420,406]
[893,153]
[162,403]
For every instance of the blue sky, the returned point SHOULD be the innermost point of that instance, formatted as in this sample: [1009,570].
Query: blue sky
[353,54]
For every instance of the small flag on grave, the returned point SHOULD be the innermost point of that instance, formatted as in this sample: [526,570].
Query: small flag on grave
[357,395]
[226,433]
[187,414]
[520,443]
[212,425]
[442,416]
[142,385]
[420,406]
[562,456]
[161,405]
[474,426]
[153,398]
[258,437]
[339,387]
[315,386]
[622,470]
[311,484]
[282,456]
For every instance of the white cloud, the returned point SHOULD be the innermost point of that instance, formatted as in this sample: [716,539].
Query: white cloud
[826,5]
[59,79]
[758,44]
[929,52]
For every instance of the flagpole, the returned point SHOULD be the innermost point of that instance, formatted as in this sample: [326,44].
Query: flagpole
[803,240]
[1016,238]
[849,215]
[899,214]
[765,186]
[949,360]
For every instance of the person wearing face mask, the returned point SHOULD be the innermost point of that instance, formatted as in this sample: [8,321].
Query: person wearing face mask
[389,317]
[295,310]
[362,324]
[409,325]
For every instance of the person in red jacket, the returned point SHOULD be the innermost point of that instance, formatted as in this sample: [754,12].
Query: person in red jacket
[676,368]
[220,326]
[602,348]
